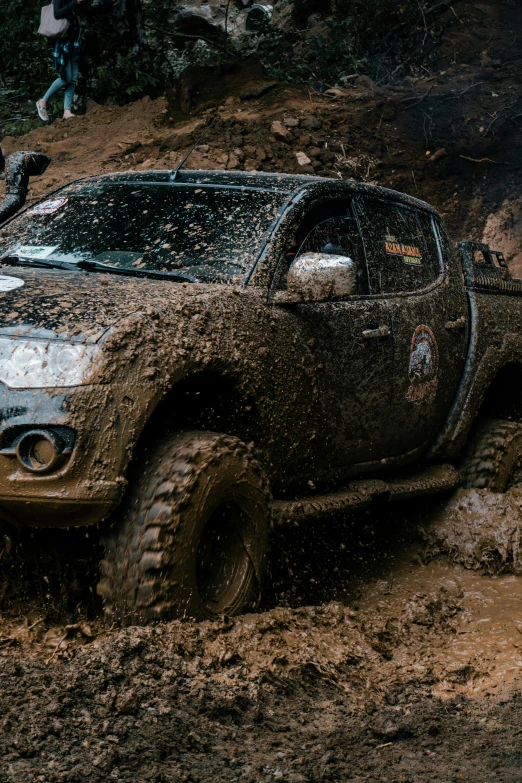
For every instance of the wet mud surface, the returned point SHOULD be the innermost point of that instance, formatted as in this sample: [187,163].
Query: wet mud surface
[370,660]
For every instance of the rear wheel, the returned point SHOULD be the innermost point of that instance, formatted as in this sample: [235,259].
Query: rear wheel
[494,457]
[192,538]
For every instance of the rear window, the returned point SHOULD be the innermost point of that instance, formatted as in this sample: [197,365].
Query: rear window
[401,249]
[211,233]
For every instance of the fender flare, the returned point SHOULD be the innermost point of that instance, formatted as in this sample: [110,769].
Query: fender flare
[477,380]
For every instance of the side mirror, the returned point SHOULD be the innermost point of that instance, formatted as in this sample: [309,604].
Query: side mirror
[318,277]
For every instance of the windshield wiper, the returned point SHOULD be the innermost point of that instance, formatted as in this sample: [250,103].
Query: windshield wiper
[96,266]
[41,263]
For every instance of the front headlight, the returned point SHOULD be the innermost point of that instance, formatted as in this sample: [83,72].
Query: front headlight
[32,364]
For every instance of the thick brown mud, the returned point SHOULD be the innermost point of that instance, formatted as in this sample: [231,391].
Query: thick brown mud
[407,668]
[480,529]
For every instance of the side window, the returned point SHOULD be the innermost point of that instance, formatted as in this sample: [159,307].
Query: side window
[401,248]
[335,236]
[331,229]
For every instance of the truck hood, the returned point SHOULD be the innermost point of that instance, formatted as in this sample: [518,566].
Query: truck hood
[73,306]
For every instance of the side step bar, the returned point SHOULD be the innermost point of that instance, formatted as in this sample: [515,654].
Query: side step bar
[362,493]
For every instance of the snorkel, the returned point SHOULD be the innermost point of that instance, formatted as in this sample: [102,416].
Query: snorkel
[18,168]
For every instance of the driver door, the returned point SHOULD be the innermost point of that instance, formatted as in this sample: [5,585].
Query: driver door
[352,348]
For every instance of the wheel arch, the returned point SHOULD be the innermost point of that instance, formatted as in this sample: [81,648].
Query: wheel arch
[492,391]
[502,398]
[209,400]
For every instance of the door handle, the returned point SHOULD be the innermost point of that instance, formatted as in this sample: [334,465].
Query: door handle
[457,323]
[380,331]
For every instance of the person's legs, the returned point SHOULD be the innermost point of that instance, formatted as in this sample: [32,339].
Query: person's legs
[69,84]
[72,75]
[41,105]
[58,84]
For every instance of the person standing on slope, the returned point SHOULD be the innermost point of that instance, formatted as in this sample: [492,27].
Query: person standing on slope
[66,58]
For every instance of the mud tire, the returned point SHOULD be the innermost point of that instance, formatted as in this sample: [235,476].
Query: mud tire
[494,455]
[192,538]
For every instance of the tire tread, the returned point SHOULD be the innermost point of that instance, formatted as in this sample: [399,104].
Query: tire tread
[492,447]
[135,582]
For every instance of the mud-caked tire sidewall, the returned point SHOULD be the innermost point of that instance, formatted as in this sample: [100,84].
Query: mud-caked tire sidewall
[150,568]
[223,481]
[493,455]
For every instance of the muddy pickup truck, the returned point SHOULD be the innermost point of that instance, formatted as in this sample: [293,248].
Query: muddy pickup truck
[189,359]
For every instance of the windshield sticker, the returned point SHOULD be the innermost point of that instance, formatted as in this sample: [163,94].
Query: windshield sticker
[10,283]
[48,207]
[35,251]
[424,365]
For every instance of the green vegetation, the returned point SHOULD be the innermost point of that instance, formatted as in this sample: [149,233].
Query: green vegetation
[384,39]
[319,43]
[23,53]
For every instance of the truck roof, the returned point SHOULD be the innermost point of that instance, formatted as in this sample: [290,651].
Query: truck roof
[289,184]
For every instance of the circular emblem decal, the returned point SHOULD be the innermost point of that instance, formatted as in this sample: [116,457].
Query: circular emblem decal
[48,207]
[424,365]
[10,283]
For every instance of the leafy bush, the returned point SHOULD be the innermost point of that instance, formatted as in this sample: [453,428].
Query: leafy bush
[120,66]
[379,38]
[324,59]
[24,55]
[322,43]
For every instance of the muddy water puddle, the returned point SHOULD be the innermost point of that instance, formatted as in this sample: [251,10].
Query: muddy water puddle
[480,648]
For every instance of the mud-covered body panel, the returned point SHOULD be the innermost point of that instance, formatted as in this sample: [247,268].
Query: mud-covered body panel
[180,330]
[490,383]
[89,483]
[328,389]
[439,317]
[496,344]
[76,307]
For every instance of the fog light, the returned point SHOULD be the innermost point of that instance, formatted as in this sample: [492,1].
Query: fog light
[39,450]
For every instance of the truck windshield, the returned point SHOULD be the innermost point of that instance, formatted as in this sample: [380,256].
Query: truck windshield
[210,233]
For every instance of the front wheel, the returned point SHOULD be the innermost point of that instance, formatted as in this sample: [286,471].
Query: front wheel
[191,540]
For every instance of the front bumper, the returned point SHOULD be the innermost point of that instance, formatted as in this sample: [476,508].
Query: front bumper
[82,505]
[90,483]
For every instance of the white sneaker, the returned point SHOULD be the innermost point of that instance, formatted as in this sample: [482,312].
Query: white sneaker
[42,112]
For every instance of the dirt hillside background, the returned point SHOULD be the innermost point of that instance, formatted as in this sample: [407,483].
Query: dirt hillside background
[377,656]
[452,137]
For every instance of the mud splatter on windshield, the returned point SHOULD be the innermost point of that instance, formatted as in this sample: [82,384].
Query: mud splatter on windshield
[211,233]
